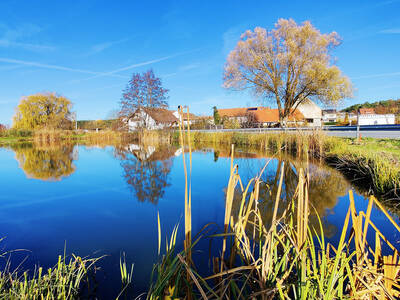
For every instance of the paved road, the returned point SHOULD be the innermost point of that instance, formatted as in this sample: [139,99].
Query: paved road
[391,134]
[375,131]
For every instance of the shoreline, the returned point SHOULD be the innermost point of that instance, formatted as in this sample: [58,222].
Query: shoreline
[372,163]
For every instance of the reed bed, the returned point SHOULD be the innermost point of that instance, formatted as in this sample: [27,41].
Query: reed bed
[299,142]
[15,133]
[52,136]
[375,170]
[70,278]
[103,138]
[154,137]
[286,258]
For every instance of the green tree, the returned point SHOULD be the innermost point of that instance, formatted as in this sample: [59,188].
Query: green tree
[217,117]
[43,110]
[287,65]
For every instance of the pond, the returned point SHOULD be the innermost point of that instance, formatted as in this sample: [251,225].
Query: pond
[96,201]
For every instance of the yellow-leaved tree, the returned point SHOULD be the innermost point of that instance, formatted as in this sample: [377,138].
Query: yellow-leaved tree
[287,65]
[43,110]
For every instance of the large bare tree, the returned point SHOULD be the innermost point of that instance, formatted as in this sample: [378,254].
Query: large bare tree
[288,64]
[143,90]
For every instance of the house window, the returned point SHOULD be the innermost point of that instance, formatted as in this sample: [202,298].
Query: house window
[310,120]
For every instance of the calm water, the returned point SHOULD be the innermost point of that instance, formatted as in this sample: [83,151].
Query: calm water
[97,201]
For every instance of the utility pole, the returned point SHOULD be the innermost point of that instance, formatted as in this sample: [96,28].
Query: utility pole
[75,119]
[358,125]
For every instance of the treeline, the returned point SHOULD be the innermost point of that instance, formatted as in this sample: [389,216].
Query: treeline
[381,107]
[100,124]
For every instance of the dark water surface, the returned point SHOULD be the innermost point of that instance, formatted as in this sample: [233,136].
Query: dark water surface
[104,201]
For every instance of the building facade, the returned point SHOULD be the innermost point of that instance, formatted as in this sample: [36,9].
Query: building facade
[375,119]
[151,119]
[311,111]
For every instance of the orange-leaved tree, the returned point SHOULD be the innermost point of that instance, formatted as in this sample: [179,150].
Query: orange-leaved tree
[287,65]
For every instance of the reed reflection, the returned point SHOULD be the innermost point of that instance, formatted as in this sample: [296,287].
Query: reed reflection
[146,170]
[326,185]
[49,162]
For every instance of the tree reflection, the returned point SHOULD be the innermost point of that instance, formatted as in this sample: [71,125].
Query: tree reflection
[146,170]
[326,185]
[45,162]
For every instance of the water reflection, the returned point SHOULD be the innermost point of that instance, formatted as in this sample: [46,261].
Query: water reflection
[97,199]
[326,186]
[46,162]
[146,170]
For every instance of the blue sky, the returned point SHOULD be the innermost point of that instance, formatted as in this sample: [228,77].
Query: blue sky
[87,50]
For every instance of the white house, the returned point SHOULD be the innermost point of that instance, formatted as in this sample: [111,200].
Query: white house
[376,119]
[312,112]
[329,115]
[367,116]
[151,118]
[192,117]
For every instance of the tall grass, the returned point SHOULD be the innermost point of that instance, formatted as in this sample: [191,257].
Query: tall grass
[51,136]
[153,137]
[70,278]
[103,138]
[376,170]
[299,142]
[286,258]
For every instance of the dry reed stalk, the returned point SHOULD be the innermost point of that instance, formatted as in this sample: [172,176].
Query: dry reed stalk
[188,202]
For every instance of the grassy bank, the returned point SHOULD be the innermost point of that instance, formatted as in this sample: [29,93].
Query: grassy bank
[373,164]
[51,136]
[100,138]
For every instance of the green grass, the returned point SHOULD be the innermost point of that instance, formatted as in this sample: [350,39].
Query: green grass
[372,145]
[70,278]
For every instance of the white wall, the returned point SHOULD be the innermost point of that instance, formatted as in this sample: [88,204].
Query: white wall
[329,117]
[310,110]
[145,121]
[374,119]
[179,117]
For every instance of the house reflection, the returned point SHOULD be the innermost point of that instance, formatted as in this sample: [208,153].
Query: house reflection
[146,169]
[46,162]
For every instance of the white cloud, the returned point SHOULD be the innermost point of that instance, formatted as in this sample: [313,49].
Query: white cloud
[133,66]
[103,46]
[377,75]
[391,31]
[18,37]
[55,67]
[12,67]
[189,67]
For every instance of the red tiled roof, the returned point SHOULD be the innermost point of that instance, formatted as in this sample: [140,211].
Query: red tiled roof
[232,112]
[366,111]
[160,115]
[261,114]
